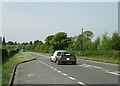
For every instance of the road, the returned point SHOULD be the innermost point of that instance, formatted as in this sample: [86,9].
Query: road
[42,71]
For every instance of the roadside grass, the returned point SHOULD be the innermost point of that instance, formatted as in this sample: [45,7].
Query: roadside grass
[101,59]
[0,73]
[8,66]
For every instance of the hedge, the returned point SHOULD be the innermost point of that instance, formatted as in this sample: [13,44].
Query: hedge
[6,54]
[104,53]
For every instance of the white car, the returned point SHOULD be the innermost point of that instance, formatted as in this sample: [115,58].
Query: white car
[62,56]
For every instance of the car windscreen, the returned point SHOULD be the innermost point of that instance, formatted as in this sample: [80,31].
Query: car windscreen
[65,53]
[59,54]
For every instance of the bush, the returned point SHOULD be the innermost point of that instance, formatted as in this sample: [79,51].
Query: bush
[7,54]
[100,53]
[12,52]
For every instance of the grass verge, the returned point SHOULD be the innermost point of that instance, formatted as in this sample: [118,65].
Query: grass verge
[0,73]
[101,59]
[8,66]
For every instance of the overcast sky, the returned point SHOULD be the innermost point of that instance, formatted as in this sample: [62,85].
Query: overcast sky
[28,21]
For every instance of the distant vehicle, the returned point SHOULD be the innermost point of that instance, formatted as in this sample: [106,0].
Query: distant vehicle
[17,49]
[23,50]
[62,56]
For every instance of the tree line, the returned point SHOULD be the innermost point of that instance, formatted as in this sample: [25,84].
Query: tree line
[82,45]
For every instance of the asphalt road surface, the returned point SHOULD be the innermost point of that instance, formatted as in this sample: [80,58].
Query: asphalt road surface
[43,71]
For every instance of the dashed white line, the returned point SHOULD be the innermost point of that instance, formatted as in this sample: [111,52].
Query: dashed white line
[43,63]
[97,67]
[81,83]
[106,70]
[51,67]
[64,74]
[55,69]
[117,71]
[59,71]
[71,78]
[113,73]
[46,64]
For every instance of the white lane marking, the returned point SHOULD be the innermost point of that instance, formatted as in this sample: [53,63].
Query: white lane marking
[97,67]
[103,69]
[71,78]
[87,66]
[64,74]
[59,71]
[90,66]
[51,67]
[118,72]
[31,75]
[46,64]
[81,83]
[113,73]
[55,69]
[43,63]
[98,62]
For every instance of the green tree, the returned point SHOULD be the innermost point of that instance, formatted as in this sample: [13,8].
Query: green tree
[115,41]
[88,34]
[60,41]
[37,42]
[105,42]
[10,43]
[15,43]
[87,37]
[36,45]
[0,43]
[48,39]
[95,44]
[30,43]
[78,43]
[3,42]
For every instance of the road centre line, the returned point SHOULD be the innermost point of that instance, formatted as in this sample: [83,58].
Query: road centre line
[81,83]
[117,71]
[51,67]
[71,78]
[64,74]
[59,71]
[46,64]
[55,69]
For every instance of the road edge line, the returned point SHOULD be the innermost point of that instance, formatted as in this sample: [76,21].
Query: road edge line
[100,62]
